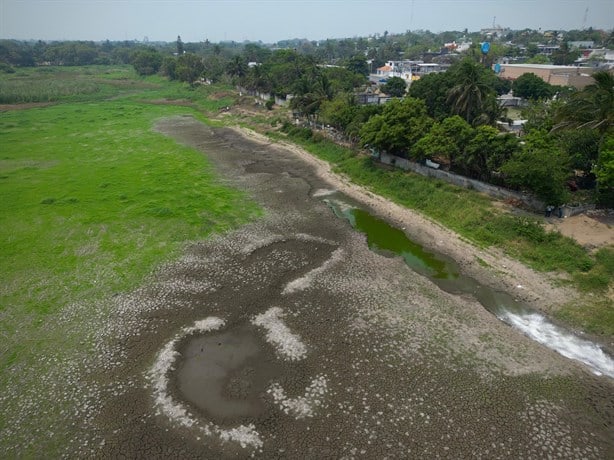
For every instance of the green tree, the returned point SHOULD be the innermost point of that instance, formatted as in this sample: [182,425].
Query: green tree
[604,171]
[541,167]
[343,80]
[286,70]
[179,46]
[530,86]
[16,53]
[486,152]
[395,87]
[445,140]
[471,91]
[214,67]
[74,53]
[257,79]
[310,93]
[346,115]
[532,50]
[146,61]
[121,55]
[539,115]
[415,51]
[399,127]
[582,147]
[358,64]
[433,90]
[591,108]
[255,53]
[502,86]
[169,67]
[237,68]
[539,59]
[340,111]
[189,68]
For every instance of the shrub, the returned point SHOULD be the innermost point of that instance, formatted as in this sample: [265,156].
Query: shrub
[6,68]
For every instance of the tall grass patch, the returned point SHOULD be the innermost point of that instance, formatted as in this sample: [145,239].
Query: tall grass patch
[54,84]
[33,90]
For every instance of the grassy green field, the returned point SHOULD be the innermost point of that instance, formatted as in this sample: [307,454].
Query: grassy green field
[92,198]
[473,216]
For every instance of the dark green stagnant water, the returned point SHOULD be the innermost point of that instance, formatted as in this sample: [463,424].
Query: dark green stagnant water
[384,238]
[387,240]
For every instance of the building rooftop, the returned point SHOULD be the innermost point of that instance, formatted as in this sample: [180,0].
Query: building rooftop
[542,66]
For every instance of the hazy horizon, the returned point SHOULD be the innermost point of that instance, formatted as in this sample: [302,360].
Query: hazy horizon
[272,21]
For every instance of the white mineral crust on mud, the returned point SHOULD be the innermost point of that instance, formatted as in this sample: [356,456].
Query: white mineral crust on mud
[288,344]
[165,363]
[302,406]
[246,436]
[305,281]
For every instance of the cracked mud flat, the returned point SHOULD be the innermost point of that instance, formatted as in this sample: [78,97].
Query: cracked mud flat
[338,352]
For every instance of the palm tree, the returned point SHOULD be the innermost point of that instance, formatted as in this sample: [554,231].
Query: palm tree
[237,68]
[471,91]
[310,92]
[591,108]
[257,79]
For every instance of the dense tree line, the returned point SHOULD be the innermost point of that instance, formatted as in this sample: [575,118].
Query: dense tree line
[379,48]
[448,117]
[451,118]
[69,53]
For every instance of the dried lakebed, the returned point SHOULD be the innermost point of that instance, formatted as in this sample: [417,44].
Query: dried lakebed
[290,338]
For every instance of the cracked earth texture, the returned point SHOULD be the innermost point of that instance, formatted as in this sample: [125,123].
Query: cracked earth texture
[344,353]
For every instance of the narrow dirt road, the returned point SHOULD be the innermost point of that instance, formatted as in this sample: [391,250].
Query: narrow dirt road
[289,338]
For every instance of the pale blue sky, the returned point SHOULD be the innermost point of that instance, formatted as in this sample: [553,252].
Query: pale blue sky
[274,20]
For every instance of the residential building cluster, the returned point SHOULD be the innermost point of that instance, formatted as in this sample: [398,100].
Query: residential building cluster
[577,74]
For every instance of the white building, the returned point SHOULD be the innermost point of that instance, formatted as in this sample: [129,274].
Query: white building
[407,70]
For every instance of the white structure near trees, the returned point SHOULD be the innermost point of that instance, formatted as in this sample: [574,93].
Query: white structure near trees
[407,70]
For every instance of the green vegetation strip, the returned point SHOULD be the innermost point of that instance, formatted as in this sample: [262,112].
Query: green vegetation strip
[92,200]
[472,215]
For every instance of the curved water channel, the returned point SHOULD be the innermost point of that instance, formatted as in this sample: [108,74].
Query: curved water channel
[446,274]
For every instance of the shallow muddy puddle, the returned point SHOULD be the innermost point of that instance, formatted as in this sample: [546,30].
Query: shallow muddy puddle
[224,374]
[445,273]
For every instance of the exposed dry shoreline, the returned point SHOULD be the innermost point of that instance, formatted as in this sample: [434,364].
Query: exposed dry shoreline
[537,289]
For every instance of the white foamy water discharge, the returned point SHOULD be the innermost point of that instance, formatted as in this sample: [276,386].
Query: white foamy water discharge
[539,329]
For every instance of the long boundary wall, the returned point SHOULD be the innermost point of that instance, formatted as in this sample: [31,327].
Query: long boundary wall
[491,190]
